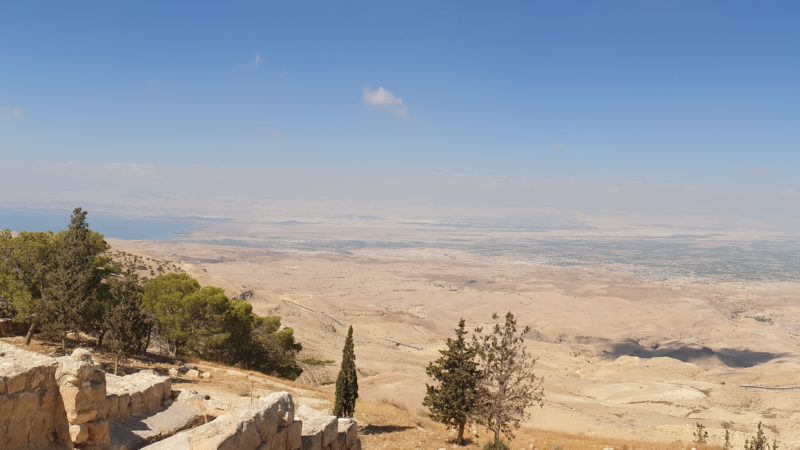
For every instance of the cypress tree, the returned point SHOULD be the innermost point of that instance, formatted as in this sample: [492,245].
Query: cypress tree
[347,381]
[452,399]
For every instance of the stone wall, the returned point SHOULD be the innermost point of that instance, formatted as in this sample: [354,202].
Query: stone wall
[268,424]
[31,410]
[135,394]
[83,391]
[68,402]
[325,432]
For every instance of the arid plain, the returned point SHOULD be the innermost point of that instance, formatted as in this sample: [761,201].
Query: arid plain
[630,344]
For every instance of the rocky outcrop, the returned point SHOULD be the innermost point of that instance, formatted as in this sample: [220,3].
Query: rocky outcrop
[31,411]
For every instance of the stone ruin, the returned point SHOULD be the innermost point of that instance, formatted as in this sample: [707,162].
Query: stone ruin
[70,403]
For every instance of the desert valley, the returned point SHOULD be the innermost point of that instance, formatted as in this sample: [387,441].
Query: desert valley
[626,350]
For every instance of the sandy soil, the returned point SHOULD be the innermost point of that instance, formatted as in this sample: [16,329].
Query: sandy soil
[621,357]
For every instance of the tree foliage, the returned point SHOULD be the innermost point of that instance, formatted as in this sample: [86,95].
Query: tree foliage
[204,322]
[347,381]
[508,386]
[126,321]
[454,396]
[67,282]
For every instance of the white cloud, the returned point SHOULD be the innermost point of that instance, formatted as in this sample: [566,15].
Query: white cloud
[384,100]
[254,62]
[13,112]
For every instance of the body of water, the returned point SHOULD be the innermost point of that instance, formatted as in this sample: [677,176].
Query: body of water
[156,229]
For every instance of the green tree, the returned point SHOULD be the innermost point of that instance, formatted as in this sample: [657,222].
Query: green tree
[347,381]
[508,384]
[164,303]
[273,349]
[126,321]
[452,399]
[72,279]
[24,262]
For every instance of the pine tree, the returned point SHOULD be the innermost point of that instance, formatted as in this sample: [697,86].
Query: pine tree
[73,278]
[453,398]
[126,321]
[508,385]
[347,381]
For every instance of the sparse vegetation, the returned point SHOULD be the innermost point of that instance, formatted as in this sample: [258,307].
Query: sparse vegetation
[700,433]
[317,362]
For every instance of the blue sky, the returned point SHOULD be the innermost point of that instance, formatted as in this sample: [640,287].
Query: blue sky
[688,93]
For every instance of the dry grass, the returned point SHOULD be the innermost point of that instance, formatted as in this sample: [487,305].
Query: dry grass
[384,424]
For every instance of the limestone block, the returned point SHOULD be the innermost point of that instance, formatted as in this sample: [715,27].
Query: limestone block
[316,422]
[77,404]
[79,434]
[340,443]
[193,373]
[167,386]
[282,405]
[112,406]
[36,378]
[137,404]
[311,441]
[205,375]
[16,383]
[6,408]
[294,435]
[173,372]
[349,428]
[26,405]
[152,396]
[278,440]
[98,433]
[124,407]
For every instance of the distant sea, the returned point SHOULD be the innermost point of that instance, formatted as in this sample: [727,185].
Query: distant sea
[154,229]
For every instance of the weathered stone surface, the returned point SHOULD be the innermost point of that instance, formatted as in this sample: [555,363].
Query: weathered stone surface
[79,433]
[173,372]
[348,428]
[312,441]
[98,433]
[205,375]
[193,373]
[246,429]
[315,422]
[294,435]
[82,386]
[31,415]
